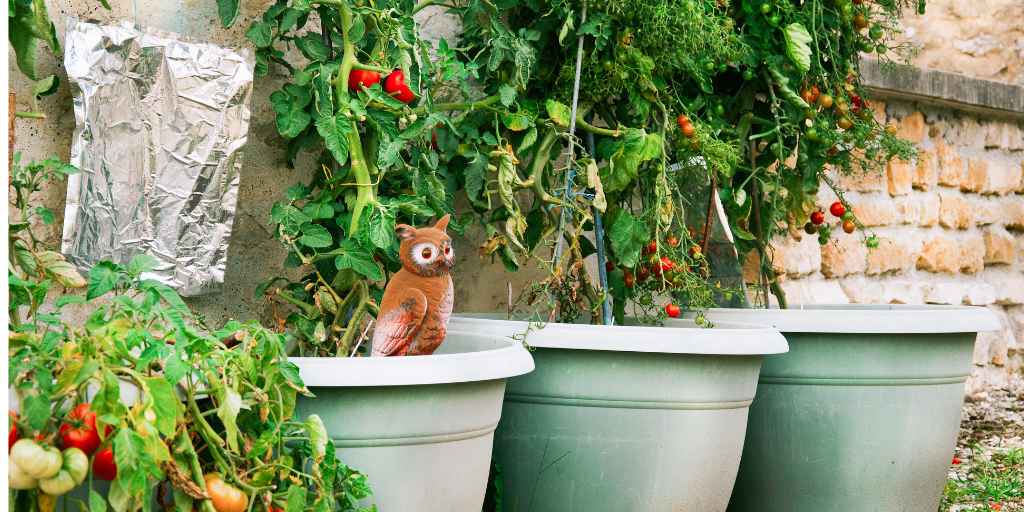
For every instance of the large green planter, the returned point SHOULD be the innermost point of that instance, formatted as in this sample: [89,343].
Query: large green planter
[862,413]
[621,419]
[420,427]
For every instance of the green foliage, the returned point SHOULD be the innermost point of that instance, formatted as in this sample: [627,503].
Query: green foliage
[206,400]
[998,479]
[377,161]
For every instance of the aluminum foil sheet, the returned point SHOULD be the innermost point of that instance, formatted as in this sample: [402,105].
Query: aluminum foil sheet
[160,127]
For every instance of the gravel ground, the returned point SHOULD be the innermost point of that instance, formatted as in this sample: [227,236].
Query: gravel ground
[987,473]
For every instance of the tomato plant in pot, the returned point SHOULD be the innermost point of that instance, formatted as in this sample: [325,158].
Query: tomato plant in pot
[123,384]
[379,123]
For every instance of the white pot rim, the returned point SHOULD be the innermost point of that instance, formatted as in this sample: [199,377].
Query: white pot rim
[866,318]
[676,337]
[507,360]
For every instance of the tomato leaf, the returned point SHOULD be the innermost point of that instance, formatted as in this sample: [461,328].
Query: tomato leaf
[315,236]
[261,34]
[165,404]
[228,11]
[558,112]
[103,277]
[382,228]
[355,258]
[289,104]
[230,406]
[628,235]
[141,263]
[335,130]
[798,47]
[64,272]
[96,502]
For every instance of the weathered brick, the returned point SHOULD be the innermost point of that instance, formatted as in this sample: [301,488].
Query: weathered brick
[939,254]
[876,211]
[1020,189]
[814,291]
[862,181]
[843,255]
[1013,213]
[979,294]
[943,293]
[951,165]
[999,247]
[972,254]
[796,257]
[889,256]
[899,177]
[990,177]
[1009,289]
[955,211]
[1003,135]
[920,209]
[926,173]
[912,128]
[986,211]
[929,207]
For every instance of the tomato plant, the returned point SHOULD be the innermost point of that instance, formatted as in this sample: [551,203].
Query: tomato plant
[202,407]
[384,151]
[760,101]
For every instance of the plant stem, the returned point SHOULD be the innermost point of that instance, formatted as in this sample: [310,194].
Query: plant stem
[464,105]
[596,130]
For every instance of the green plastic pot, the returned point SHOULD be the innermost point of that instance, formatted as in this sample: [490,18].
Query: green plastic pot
[863,411]
[626,418]
[420,427]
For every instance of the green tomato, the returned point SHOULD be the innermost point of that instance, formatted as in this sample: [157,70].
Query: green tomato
[719,110]
[774,20]
[766,8]
[748,75]
[881,49]
[847,215]
[810,113]
[76,463]
[709,66]
[812,134]
[18,479]
[59,484]
[846,9]
[35,460]
[875,32]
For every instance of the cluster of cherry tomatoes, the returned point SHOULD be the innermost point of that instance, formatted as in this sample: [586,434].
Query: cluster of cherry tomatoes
[843,108]
[663,266]
[818,226]
[394,83]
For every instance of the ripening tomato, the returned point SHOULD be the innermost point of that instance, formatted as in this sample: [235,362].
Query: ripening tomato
[360,78]
[825,100]
[849,226]
[837,209]
[689,131]
[81,431]
[682,121]
[103,465]
[672,310]
[817,217]
[12,432]
[629,279]
[844,123]
[395,85]
[224,496]
[652,247]
[642,273]
[666,264]
[672,241]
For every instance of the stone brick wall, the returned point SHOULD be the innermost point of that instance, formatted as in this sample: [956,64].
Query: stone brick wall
[950,224]
[979,38]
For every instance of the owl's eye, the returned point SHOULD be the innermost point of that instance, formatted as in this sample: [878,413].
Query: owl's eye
[448,250]
[426,253]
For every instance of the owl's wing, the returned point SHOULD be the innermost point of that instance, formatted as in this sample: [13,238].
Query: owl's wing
[397,328]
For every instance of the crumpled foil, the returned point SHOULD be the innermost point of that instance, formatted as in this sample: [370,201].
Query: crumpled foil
[160,127]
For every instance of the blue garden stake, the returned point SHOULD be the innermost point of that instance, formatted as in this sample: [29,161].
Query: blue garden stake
[602,270]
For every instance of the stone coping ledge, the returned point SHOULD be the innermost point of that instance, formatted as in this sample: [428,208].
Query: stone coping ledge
[943,88]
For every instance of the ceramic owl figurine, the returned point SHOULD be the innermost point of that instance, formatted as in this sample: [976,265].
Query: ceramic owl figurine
[417,302]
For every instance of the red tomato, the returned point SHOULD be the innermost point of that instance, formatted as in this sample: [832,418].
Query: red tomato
[672,241]
[956,461]
[652,247]
[629,279]
[103,466]
[81,431]
[360,78]
[667,264]
[672,310]
[688,130]
[837,209]
[12,433]
[609,266]
[817,217]
[642,273]
[395,85]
